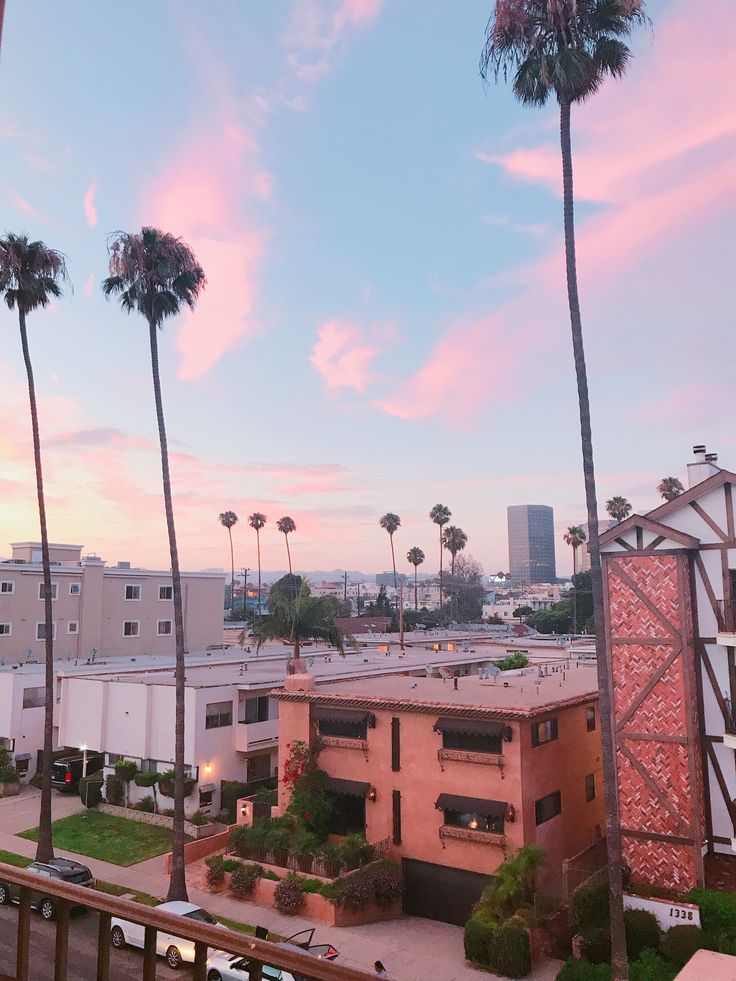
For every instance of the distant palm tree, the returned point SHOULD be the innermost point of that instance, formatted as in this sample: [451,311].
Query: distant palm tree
[575,537]
[286,526]
[228,519]
[258,521]
[31,275]
[154,273]
[390,522]
[670,488]
[454,540]
[440,515]
[416,557]
[619,508]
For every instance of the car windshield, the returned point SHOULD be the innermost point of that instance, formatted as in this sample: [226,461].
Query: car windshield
[200,914]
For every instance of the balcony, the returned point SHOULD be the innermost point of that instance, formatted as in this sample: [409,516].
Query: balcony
[467,756]
[256,735]
[261,953]
[466,834]
[729,724]
[726,632]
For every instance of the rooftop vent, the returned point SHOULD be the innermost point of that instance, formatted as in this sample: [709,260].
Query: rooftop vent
[702,466]
[123,565]
[711,458]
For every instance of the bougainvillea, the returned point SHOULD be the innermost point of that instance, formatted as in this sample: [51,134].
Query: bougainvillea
[289,897]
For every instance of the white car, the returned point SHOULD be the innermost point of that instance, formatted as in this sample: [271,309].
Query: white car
[176,950]
[228,967]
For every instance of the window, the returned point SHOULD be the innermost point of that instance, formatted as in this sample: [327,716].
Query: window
[132,591]
[259,768]
[54,591]
[590,718]
[205,798]
[7,587]
[75,588]
[34,698]
[475,822]
[255,709]
[165,592]
[72,627]
[347,816]
[544,732]
[590,787]
[473,742]
[548,807]
[164,628]
[346,728]
[396,748]
[149,766]
[218,715]
[396,814]
[131,628]
[21,764]
[41,631]
[6,629]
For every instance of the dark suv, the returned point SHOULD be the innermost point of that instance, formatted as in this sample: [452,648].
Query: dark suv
[58,868]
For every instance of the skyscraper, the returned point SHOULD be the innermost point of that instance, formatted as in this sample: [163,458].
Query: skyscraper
[531,543]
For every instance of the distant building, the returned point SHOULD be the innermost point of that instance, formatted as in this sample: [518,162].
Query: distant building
[387,578]
[583,553]
[531,543]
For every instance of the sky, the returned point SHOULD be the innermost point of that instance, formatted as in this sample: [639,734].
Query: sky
[385,324]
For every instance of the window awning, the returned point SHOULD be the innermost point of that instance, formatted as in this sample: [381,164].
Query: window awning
[350,788]
[475,727]
[471,805]
[330,713]
[207,788]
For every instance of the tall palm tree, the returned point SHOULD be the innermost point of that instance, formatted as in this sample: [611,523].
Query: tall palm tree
[670,488]
[440,515]
[618,508]
[416,557]
[154,273]
[286,526]
[575,537]
[31,274]
[565,49]
[390,522]
[258,521]
[454,540]
[228,519]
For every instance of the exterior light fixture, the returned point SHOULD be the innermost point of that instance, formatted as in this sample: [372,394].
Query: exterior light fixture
[372,794]
[510,813]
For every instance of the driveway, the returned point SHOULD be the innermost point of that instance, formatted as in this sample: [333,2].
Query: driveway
[21,813]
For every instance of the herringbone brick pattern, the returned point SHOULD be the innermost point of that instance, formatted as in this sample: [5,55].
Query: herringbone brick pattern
[660,864]
[656,577]
[633,667]
[663,710]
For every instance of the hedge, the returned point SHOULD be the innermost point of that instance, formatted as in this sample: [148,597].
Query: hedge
[145,779]
[717,916]
[114,790]
[90,789]
[642,931]
[583,970]
[504,949]
[681,942]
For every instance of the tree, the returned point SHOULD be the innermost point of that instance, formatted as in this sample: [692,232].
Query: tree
[381,607]
[468,588]
[390,522]
[415,556]
[513,882]
[618,508]
[154,273]
[257,521]
[31,275]
[575,537]
[454,540]
[523,611]
[286,526]
[670,488]
[228,519]
[440,515]
[566,48]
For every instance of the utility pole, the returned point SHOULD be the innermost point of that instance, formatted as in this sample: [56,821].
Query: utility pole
[345,591]
[401,614]
[357,605]
[245,592]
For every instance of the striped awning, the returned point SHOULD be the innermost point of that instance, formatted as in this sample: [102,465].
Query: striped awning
[350,788]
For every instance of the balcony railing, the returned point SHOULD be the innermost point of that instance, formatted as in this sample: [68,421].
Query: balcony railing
[727,616]
[260,953]
[256,735]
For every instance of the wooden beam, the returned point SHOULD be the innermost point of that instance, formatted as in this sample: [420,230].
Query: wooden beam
[715,528]
[729,511]
[705,658]
[655,836]
[708,588]
[654,679]
[655,737]
[639,538]
[624,544]
[656,541]
[722,784]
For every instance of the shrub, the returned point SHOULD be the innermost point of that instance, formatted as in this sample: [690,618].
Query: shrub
[380,883]
[477,939]
[126,770]
[146,805]
[574,970]
[651,967]
[288,897]
[198,819]
[589,907]
[355,851]
[166,784]
[388,883]
[215,873]
[167,812]
[512,662]
[717,915]
[114,790]
[597,944]
[145,779]
[642,930]
[510,951]
[90,790]
[680,943]
[230,792]
[8,773]
[243,880]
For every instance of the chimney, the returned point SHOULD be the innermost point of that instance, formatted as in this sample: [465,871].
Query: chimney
[702,466]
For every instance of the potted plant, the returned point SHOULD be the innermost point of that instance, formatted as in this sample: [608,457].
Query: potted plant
[166,784]
[9,777]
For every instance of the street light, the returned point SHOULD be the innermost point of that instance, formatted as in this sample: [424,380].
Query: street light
[84,774]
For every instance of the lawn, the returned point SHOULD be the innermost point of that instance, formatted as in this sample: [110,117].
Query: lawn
[10,858]
[109,838]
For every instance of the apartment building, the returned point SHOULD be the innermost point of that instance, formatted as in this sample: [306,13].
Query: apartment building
[101,610]
[457,773]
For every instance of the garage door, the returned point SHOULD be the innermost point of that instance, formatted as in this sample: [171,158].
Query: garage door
[441,893]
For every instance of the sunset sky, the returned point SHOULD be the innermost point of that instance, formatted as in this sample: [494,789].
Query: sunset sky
[385,322]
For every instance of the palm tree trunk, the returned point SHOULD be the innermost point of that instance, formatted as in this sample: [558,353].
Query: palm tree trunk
[416,602]
[232,574]
[45,847]
[288,553]
[440,571]
[453,595]
[608,750]
[393,562]
[574,591]
[258,547]
[177,881]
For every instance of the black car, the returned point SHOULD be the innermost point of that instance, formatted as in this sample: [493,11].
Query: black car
[58,868]
[66,772]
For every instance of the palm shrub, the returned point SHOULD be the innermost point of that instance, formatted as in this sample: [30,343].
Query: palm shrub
[680,943]
[355,851]
[642,931]
[289,896]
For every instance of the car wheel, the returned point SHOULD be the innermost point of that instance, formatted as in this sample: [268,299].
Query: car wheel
[214,976]
[117,937]
[46,909]
[4,894]
[173,957]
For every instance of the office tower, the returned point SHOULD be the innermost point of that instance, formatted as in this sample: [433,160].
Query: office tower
[531,543]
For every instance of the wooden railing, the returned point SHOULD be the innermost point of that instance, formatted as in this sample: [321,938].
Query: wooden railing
[260,953]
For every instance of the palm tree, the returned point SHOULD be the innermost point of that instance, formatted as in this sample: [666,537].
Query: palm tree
[575,537]
[390,522]
[154,273]
[416,557]
[454,540]
[618,508]
[670,488]
[286,526]
[228,519]
[440,515]
[566,48]
[258,521]
[31,274]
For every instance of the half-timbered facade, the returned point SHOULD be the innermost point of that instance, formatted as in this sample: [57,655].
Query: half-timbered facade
[670,585]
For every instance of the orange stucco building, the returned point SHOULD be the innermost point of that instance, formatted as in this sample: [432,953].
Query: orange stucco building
[457,774]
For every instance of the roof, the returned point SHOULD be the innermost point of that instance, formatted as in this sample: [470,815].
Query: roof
[644,521]
[178,906]
[706,965]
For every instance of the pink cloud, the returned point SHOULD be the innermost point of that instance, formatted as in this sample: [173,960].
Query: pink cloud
[26,207]
[321,29]
[89,285]
[343,355]
[90,211]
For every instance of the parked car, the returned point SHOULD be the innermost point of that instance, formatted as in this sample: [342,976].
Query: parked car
[63,869]
[66,772]
[176,950]
[228,967]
